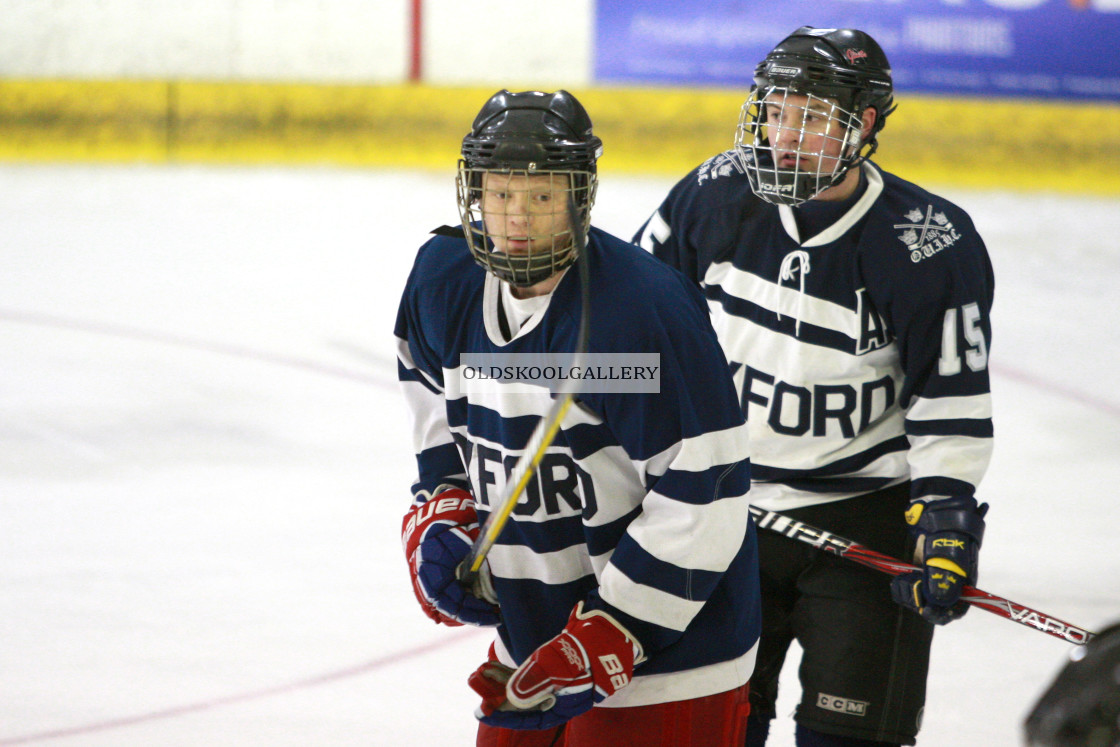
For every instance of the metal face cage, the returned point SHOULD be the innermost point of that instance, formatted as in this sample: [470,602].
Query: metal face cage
[794,146]
[516,220]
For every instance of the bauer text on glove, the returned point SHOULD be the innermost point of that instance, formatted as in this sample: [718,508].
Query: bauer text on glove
[591,659]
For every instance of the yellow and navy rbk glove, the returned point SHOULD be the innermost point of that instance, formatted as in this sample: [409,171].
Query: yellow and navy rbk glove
[948,534]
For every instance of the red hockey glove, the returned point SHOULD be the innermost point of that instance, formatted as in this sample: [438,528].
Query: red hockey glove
[489,681]
[592,658]
[437,536]
[948,533]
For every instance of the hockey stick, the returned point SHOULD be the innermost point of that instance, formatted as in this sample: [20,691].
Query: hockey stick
[546,429]
[846,548]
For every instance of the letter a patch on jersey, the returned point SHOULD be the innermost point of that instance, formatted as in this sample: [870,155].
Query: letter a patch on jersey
[873,332]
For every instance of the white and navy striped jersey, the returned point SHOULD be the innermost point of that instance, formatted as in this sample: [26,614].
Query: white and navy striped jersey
[640,505]
[858,332]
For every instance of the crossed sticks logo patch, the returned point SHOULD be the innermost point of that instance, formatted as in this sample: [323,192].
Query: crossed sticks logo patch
[926,233]
[723,164]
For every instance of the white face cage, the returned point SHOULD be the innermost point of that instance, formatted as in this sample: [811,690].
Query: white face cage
[794,146]
[516,221]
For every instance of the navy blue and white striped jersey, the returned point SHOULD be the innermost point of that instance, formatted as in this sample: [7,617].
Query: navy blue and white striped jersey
[858,332]
[640,506]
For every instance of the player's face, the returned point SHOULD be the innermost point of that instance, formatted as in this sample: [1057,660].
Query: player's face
[805,133]
[526,214]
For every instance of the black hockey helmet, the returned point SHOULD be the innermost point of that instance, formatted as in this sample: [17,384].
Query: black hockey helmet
[1081,708]
[530,133]
[845,66]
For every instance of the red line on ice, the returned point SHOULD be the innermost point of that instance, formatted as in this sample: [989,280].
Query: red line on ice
[315,681]
[1059,390]
[115,330]
[165,338]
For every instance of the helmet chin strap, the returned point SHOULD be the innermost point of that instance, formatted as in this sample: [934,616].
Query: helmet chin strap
[526,270]
[853,142]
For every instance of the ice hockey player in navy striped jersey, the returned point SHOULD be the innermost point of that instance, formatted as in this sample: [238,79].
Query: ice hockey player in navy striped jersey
[853,307]
[624,588]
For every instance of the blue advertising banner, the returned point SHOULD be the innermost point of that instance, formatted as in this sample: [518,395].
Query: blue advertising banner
[1035,48]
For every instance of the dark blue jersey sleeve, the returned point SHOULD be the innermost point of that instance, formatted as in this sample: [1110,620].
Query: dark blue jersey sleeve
[932,280]
[702,218]
[420,371]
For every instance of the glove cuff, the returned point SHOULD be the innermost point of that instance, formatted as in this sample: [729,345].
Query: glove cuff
[961,515]
[579,614]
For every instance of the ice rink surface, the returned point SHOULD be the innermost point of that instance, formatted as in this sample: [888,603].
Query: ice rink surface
[204,460]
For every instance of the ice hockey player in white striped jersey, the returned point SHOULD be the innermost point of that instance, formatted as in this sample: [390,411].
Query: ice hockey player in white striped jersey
[853,307]
[624,588]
